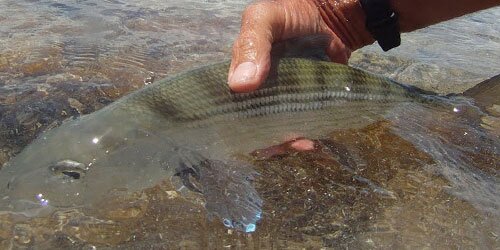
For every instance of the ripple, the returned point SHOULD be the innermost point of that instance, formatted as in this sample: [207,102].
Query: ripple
[81,55]
[130,57]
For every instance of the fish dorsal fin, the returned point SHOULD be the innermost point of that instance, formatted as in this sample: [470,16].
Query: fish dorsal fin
[486,94]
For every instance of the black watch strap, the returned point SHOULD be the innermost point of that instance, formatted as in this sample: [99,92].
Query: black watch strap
[382,23]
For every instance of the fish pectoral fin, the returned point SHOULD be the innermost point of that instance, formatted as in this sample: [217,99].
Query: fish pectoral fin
[230,194]
[227,188]
[187,168]
[189,177]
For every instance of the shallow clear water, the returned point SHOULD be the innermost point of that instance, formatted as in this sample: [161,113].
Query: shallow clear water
[450,56]
[372,187]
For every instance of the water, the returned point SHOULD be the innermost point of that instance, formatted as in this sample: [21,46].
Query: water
[64,58]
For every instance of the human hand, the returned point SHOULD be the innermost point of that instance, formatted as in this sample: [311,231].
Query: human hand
[266,22]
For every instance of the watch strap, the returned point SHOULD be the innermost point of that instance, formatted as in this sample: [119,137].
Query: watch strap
[382,23]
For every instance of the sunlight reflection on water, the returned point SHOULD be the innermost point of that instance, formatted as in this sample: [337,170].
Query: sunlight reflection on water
[64,58]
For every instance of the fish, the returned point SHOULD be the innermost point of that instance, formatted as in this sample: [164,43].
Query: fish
[192,129]
[486,95]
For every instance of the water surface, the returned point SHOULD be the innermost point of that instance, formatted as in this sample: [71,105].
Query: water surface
[372,187]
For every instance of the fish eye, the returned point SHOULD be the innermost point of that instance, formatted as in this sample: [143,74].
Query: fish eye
[69,169]
[73,174]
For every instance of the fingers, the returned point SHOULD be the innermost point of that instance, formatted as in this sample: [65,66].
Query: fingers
[266,22]
[302,145]
[337,51]
[251,61]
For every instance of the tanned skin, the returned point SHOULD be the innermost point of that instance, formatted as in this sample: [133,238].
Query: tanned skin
[266,22]
[342,21]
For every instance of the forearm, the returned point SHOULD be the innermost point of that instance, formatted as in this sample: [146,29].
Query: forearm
[346,17]
[342,22]
[416,14]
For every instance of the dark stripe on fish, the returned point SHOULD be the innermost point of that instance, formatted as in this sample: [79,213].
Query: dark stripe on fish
[294,85]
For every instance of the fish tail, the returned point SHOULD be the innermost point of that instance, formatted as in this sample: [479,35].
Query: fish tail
[486,94]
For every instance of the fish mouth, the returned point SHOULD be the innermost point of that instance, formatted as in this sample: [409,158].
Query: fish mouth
[69,170]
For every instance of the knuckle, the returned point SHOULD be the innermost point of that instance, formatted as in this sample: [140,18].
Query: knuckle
[253,7]
[258,9]
[245,47]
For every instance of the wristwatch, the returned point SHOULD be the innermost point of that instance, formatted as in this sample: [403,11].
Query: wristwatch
[382,23]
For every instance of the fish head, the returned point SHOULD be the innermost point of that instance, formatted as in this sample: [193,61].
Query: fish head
[77,163]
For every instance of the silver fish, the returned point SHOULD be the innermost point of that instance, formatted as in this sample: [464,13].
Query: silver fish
[192,127]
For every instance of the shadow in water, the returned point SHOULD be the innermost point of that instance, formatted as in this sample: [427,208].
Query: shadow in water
[358,188]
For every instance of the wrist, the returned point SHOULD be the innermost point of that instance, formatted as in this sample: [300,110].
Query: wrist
[382,23]
[347,20]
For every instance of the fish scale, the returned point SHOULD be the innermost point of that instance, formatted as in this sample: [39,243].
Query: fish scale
[193,124]
[294,85]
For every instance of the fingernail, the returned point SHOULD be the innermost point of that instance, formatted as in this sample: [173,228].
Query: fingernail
[303,145]
[244,72]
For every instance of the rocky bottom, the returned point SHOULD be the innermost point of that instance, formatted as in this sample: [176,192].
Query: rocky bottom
[357,189]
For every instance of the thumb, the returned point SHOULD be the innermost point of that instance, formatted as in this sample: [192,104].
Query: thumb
[251,59]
